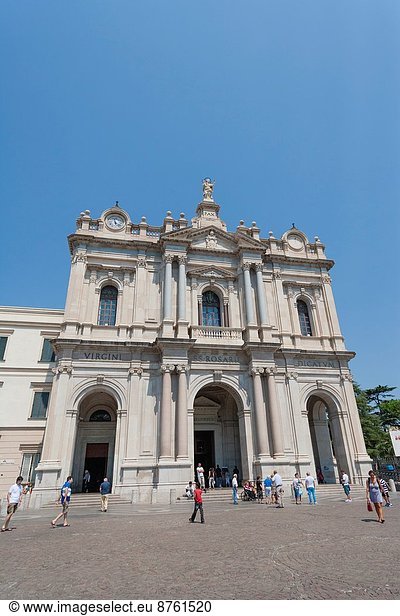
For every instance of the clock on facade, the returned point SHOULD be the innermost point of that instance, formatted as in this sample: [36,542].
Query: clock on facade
[115,221]
[295,241]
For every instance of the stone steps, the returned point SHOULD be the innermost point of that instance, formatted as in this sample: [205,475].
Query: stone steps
[90,500]
[324,491]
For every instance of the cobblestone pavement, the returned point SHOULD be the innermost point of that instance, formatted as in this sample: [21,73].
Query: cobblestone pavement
[329,551]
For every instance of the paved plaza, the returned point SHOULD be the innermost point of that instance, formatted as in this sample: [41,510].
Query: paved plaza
[332,550]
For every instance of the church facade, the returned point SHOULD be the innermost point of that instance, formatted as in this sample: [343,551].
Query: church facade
[179,343]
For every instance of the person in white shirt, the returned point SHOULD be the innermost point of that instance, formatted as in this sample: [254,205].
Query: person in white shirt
[14,498]
[310,487]
[235,489]
[200,476]
[189,490]
[344,480]
[277,484]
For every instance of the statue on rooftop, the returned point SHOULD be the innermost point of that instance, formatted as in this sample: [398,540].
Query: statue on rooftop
[208,187]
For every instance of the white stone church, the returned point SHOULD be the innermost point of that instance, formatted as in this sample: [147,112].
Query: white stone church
[179,343]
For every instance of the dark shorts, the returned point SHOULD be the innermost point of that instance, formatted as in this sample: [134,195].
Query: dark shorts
[346,489]
[12,508]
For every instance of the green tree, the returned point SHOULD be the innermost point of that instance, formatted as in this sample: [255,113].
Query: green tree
[373,422]
[390,413]
[378,395]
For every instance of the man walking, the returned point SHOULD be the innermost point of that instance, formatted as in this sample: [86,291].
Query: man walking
[344,480]
[310,487]
[105,490]
[14,498]
[64,500]
[200,476]
[198,505]
[235,489]
[278,488]
[86,481]
[218,474]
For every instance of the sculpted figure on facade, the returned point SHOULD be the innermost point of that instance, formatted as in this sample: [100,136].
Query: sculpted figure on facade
[211,240]
[208,187]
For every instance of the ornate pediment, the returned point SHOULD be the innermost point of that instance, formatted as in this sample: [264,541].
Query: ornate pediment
[211,271]
[212,239]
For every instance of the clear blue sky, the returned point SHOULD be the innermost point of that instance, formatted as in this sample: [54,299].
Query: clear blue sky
[293,107]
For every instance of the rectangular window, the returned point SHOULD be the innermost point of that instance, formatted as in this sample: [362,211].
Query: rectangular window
[40,404]
[28,466]
[3,343]
[47,351]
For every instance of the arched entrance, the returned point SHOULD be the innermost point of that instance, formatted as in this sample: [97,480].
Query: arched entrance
[326,437]
[216,430]
[95,440]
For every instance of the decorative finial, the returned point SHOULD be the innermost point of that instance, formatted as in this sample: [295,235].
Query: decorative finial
[116,204]
[293,225]
[208,187]
[316,238]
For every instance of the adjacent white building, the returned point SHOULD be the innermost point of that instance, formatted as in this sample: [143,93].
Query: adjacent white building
[179,343]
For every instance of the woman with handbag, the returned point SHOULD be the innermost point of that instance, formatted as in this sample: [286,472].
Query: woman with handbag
[374,495]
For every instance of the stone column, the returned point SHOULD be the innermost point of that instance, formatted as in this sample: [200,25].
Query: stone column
[251,326]
[333,320]
[182,322]
[134,404]
[120,444]
[247,294]
[275,422]
[168,287]
[167,299]
[260,415]
[90,316]
[182,289]
[262,303]
[53,465]
[194,315]
[74,295]
[265,329]
[182,415]
[166,413]
[56,414]
[68,443]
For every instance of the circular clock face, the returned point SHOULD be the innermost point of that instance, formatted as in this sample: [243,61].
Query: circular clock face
[114,221]
[295,242]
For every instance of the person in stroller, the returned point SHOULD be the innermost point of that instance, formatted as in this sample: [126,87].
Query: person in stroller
[249,490]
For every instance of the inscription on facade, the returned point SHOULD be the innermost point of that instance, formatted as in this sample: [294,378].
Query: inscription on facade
[105,356]
[313,363]
[217,359]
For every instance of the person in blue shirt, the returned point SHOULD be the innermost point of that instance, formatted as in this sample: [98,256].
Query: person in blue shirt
[267,489]
[65,499]
[105,490]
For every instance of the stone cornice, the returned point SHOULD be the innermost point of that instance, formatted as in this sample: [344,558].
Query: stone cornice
[321,263]
[303,354]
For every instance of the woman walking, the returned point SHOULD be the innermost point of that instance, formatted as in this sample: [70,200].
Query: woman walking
[374,495]
[297,485]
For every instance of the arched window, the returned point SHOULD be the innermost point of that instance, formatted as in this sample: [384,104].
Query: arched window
[211,309]
[100,416]
[304,318]
[108,306]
